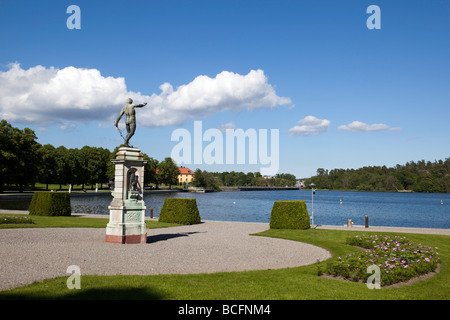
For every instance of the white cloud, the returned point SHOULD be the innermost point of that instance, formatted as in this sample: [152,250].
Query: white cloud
[205,96]
[46,96]
[310,125]
[357,126]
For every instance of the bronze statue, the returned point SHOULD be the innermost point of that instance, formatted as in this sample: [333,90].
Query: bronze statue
[128,110]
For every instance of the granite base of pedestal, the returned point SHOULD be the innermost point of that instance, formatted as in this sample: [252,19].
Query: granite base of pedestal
[126,222]
[127,239]
[126,233]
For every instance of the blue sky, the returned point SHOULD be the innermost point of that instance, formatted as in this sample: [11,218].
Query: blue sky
[318,55]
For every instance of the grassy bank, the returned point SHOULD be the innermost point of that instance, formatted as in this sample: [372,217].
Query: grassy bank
[70,222]
[291,283]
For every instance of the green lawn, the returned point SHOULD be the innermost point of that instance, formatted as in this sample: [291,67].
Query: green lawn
[292,283]
[72,222]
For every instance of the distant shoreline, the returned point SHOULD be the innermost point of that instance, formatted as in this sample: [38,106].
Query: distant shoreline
[7,195]
[29,194]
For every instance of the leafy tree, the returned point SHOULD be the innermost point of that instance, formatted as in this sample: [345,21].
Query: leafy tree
[230,179]
[259,180]
[7,152]
[47,169]
[168,172]
[417,176]
[285,179]
[19,157]
[65,165]
[205,179]
[94,165]
[150,169]
[110,168]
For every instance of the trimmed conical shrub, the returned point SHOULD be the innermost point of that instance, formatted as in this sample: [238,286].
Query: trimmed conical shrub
[50,203]
[289,215]
[180,210]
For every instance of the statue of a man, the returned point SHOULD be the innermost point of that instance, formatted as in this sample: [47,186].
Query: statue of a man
[128,110]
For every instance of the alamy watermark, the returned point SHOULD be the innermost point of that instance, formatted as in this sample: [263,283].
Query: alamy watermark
[374,20]
[234,146]
[74,20]
[74,280]
[374,281]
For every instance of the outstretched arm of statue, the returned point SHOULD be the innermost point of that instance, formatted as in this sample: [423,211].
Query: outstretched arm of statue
[141,105]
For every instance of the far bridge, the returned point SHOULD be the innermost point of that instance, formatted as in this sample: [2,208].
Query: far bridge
[266,188]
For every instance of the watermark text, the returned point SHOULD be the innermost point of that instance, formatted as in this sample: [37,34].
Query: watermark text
[74,281]
[237,147]
[74,20]
[374,281]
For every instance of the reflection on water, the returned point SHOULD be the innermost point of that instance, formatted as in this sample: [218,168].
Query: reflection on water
[330,207]
[15,204]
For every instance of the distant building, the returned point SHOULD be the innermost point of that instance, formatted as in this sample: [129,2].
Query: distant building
[186,175]
[300,183]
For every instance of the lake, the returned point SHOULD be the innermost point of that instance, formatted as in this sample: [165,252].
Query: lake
[417,210]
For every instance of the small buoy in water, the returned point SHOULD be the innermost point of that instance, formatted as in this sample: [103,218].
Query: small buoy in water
[234,202]
[340,201]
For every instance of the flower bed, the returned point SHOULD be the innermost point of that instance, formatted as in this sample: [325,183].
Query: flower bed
[398,259]
[15,220]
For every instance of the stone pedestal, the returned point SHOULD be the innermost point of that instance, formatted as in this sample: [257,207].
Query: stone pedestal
[127,209]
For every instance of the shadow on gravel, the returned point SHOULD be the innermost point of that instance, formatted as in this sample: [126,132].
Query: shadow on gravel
[168,236]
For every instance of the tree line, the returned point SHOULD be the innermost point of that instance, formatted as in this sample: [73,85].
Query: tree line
[214,180]
[24,162]
[420,176]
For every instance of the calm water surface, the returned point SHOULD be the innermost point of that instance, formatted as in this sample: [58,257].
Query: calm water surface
[421,210]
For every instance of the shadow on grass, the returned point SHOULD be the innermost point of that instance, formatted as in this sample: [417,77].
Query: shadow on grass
[91,294]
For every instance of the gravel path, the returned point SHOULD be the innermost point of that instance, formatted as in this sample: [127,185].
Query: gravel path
[35,254]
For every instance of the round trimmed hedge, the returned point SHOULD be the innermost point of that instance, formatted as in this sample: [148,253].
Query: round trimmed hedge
[289,215]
